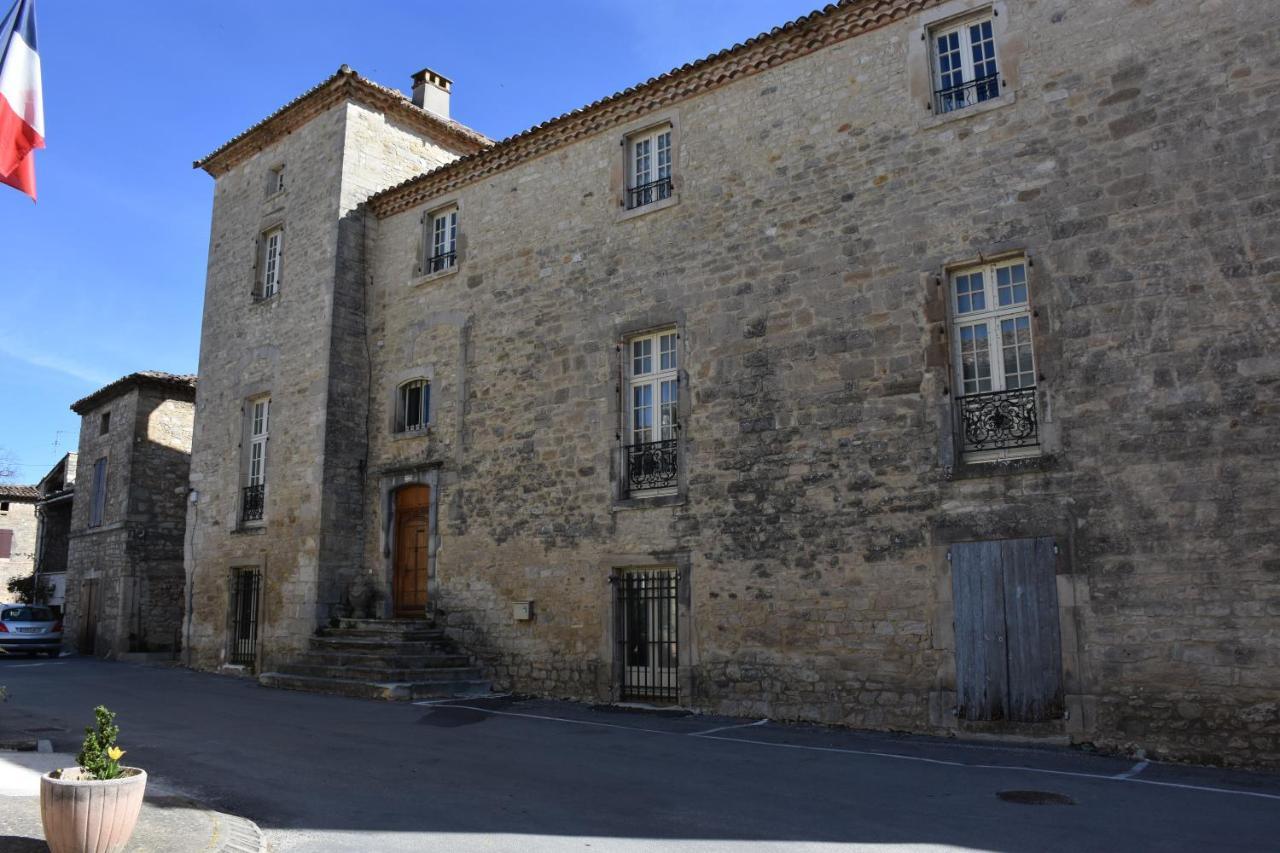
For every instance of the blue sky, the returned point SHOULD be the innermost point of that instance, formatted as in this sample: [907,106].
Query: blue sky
[105,274]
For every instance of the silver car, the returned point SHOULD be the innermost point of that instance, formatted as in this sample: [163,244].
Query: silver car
[29,628]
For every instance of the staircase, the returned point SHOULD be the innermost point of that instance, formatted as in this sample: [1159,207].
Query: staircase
[397,659]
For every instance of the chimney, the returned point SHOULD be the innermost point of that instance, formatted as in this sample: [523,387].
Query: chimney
[431,92]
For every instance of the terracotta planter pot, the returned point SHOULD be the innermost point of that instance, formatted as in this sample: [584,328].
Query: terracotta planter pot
[90,817]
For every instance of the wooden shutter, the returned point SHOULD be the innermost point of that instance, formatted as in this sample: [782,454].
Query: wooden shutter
[258,248]
[420,251]
[99,493]
[6,544]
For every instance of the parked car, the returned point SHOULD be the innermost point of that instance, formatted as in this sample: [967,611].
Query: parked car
[29,628]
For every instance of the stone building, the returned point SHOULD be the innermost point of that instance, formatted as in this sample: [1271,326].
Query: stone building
[913,365]
[124,566]
[17,534]
[56,493]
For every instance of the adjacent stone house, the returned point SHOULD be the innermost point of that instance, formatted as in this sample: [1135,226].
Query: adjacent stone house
[124,566]
[17,534]
[913,365]
[56,495]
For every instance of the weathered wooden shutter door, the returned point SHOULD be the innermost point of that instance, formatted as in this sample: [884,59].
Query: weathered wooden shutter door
[978,592]
[1031,617]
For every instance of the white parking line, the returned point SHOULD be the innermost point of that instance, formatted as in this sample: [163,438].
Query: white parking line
[1129,776]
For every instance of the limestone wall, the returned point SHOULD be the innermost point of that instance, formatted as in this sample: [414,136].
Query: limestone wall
[20,518]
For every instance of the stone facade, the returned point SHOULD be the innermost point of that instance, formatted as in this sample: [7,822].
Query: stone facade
[17,535]
[124,579]
[820,206]
[56,491]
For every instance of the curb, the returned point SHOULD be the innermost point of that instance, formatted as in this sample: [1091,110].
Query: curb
[241,835]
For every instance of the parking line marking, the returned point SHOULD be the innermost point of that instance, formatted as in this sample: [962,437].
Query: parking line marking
[1122,777]
[1134,770]
[727,728]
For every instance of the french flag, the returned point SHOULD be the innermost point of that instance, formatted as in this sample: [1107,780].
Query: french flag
[21,105]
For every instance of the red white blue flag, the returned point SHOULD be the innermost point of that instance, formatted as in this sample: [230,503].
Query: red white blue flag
[21,105]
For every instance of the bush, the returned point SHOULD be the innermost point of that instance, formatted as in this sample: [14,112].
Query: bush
[26,591]
[99,756]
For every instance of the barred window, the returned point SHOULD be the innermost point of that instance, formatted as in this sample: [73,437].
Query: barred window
[413,406]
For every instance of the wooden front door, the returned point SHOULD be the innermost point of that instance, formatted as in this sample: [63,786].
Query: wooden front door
[1008,646]
[411,532]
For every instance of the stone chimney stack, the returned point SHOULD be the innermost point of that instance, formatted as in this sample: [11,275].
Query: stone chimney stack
[431,92]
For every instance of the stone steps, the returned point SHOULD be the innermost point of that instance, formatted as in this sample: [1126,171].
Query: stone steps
[393,691]
[393,659]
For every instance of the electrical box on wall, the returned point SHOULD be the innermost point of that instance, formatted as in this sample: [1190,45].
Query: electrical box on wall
[522,611]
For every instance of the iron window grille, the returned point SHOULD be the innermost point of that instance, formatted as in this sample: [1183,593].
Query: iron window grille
[967,94]
[413,406]
[648,634]
[650,466]
[243,640]
[440,262]
[998,420]
[252,502]
[648,193]
[965,68]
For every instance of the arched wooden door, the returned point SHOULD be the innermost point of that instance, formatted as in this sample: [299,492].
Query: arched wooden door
[412,523]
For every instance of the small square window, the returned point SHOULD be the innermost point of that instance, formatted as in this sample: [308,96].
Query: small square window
[965,70]
[104,426]
[4,506]
[275,180]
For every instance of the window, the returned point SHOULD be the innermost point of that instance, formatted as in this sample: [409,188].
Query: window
[275,180]
[243,636]
[413,406]
[255,488]
[649,162]
[992,355]
[964,64]
[104,425]
[4,506]
[98,500]
[651,411]
[272,243]
[441,240]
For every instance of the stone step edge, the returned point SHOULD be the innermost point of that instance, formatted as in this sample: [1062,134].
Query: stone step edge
[394,690]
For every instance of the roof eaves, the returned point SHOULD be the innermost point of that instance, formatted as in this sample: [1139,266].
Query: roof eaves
[180,384]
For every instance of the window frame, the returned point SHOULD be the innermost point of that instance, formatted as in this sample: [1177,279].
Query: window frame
[276,180]
[960,28]
[656,186]
[655,445]
[104,423]
[401,424]
[255,463]
[439,241]
[270,277]
[992,316]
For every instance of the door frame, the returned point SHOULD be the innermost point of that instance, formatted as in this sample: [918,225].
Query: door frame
[388,484]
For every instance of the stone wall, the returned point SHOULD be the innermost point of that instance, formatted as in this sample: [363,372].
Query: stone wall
[20,518]
[306,349]
[819,205]
[134,558]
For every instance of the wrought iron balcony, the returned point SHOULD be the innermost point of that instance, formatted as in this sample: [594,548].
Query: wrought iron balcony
[966,94]
[998,420]
[442,261]
[648,193]
[649,466]
[252,502]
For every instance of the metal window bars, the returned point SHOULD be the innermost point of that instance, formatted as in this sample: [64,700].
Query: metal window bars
[252,502]
[442,261]
[967,94]
[997,420]
[245,584]
[649,466]
[643,194]
[648,634]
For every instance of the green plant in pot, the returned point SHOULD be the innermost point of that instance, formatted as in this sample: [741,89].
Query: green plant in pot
[93,807]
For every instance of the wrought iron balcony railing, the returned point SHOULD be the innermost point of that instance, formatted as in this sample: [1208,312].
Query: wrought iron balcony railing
[966,94]
[648,193]
[442,261]
[649,466]
[252,502]
[998,420]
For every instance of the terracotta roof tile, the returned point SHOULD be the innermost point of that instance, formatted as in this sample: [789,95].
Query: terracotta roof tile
[19,493]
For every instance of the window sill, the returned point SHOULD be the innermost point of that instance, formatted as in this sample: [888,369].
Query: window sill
[276,198]
[1010,462]
[251,528]
[652,207]
[407,434]
[933,120]
[265,300]
[432,276]
[650,500]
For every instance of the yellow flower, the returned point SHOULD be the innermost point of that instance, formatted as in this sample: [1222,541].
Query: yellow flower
[115,752]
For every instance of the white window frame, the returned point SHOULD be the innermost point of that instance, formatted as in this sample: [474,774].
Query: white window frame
[259,412]
[402,406]
[650,158]
[963,86]
[440,252]
[652,406]
[272,251]
[978,307]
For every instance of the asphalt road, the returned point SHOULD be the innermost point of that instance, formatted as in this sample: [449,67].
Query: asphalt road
[325,773]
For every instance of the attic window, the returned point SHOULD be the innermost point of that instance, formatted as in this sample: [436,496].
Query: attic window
[105,425]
